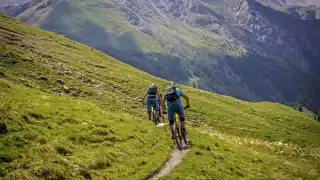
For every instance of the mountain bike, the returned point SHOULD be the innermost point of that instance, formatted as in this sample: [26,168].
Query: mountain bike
[179,135]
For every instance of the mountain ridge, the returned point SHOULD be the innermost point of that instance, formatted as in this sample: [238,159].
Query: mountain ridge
[198,43]
[73,112]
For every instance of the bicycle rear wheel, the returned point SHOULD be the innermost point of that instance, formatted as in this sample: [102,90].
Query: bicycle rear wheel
[154,117]
[178,135]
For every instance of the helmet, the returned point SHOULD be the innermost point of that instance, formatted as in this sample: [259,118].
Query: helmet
[172,84]
[154,85]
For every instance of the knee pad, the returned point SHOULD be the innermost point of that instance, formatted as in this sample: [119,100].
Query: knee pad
[171,122]
[182,119]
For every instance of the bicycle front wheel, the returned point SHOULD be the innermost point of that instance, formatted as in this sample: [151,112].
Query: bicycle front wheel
[178,137]
[178,140]
[185,139]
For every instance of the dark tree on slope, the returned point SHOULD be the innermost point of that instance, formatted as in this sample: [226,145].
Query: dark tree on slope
[300,108]
[194,84]
[3,128]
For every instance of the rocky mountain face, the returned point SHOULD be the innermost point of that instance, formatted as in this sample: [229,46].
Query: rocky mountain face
[284,3]
[303,9]
[290,45]
[243,48]
[11,7]
[305,13]
[12,2]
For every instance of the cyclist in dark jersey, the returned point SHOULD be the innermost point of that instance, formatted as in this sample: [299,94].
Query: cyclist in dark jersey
[174,104]
[150,98]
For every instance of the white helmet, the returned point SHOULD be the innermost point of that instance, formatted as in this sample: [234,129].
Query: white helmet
[172,84]
[154,85]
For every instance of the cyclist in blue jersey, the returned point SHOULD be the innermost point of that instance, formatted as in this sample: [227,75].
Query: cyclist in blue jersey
[150,97]
[172,96]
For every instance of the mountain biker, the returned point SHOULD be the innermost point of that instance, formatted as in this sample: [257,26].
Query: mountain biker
[172,96]
[150,97]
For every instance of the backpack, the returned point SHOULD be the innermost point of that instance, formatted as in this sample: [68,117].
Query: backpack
[171,94]
[152,92]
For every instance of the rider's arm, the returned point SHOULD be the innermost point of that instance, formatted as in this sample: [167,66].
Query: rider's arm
[187,99]
[145,95]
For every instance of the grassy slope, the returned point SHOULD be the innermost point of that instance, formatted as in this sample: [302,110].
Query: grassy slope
[61,137]
[231,138]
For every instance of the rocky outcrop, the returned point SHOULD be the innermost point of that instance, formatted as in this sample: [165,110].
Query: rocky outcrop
[290,45]
[138,11]
[277,34]
[308,15]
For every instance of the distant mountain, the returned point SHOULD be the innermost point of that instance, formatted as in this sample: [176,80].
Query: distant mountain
[70,112]
[303,9]
[12,2]
[243,48]
[12,7]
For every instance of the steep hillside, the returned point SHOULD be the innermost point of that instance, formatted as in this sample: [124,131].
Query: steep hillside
[207,44]
[73,112]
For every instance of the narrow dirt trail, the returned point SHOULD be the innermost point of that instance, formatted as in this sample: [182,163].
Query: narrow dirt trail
[174,160]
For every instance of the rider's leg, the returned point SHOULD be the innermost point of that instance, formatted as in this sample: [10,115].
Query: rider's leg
[183,125]
[172,128]
[149,109]
[171,119]
[157,108]
[182,119]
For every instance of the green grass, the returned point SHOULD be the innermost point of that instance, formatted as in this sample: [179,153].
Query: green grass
[98,128]
[62,137]
[216,156]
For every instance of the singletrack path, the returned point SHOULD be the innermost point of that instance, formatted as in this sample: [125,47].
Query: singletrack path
[174,160]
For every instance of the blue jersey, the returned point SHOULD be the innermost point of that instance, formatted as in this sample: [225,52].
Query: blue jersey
[175,106]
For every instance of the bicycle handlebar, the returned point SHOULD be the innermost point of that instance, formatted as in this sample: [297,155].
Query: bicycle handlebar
[184,108]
